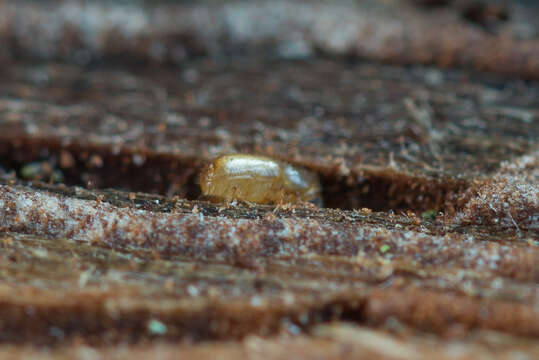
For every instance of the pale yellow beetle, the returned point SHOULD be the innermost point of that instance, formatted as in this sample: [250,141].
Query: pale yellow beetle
[258,179]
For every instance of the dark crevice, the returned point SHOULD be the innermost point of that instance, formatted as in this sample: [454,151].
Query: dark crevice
[103,167]
[384,191]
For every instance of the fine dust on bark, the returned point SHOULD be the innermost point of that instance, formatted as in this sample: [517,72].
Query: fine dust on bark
[427,244]
[413,158]
[238,270]
[102,298]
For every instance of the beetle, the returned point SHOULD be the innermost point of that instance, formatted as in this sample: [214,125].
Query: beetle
[258,179]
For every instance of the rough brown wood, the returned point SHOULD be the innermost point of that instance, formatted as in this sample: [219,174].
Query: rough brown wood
[427,245]
[496,35]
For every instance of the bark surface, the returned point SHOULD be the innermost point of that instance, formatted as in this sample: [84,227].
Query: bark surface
[426,244]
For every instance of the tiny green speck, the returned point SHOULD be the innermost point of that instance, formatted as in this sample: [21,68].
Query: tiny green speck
[429,214]
[156,327]
[30,171]
[384,248]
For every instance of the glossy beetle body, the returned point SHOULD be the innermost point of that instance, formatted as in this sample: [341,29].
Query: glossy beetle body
[258,179]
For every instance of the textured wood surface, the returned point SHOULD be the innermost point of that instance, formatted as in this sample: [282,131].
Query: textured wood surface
[427,244]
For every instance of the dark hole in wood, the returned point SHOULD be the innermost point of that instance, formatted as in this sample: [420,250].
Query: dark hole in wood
[98,167]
